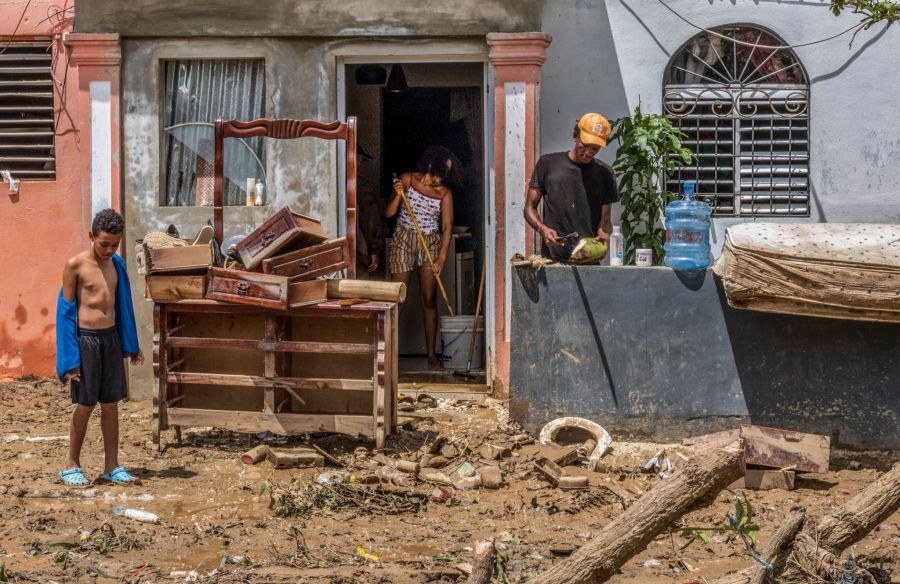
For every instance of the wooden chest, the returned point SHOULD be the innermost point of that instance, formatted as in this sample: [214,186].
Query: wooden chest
[283,230]
[175,287]
[263,290]
[311,262]
[182,260]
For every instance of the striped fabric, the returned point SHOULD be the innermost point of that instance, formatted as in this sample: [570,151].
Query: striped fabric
[407,252]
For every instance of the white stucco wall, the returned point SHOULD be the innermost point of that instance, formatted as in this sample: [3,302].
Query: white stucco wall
[609,54]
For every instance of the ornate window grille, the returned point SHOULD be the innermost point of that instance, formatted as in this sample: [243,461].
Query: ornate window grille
[745,110]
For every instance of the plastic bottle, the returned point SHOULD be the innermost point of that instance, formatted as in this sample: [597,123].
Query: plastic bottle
[136,514]
[687,232]
[616,247]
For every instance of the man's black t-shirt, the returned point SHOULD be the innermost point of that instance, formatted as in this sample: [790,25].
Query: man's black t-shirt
[573,196]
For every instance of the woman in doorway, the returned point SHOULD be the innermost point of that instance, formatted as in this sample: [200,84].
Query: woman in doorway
[432,203]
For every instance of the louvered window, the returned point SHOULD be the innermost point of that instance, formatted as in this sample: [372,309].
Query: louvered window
[26,111]
[742,99]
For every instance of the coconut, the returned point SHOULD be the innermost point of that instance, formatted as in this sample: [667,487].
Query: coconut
[588,251]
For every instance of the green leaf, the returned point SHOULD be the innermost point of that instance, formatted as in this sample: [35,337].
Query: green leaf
[703,536]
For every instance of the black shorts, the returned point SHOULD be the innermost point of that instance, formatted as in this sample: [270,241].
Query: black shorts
[102,368]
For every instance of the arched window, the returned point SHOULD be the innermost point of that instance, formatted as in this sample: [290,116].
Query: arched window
[745,110]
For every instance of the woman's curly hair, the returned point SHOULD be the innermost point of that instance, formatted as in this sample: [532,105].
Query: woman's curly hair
[434,162]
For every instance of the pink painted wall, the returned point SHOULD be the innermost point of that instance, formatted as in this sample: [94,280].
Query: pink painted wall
[46,222]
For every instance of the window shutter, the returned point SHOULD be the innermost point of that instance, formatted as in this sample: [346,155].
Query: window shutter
[26,111]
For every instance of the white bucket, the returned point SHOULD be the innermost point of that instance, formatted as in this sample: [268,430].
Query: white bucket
[456,336]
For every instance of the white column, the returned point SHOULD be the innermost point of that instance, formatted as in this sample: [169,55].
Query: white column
[101,146]
[514,171]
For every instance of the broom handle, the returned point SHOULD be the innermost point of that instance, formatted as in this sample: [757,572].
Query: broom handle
[409,211]
[477,313]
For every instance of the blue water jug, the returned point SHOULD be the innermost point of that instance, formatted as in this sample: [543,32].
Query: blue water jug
[687,232]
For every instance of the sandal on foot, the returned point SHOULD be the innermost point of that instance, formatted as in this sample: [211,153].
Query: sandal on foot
[74,477]
[118,476]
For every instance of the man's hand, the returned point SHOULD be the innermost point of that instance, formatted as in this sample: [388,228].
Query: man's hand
[603,236]
[74,376]
[138,359]
[373,263]
[438,264]
[550,236]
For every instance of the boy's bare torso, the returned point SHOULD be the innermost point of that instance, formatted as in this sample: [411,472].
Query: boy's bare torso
[94,286]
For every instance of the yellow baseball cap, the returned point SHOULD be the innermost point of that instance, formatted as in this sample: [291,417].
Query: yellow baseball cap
[594,130]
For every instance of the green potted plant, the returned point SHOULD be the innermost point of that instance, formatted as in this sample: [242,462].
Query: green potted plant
[649,149]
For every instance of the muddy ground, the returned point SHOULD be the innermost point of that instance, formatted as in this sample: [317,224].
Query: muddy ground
[211,506]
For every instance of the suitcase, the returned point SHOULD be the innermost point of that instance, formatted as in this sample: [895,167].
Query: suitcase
[311,262]
[285,230]
[263,290]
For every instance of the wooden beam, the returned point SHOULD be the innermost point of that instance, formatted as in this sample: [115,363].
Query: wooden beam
[285,424]
[260,381]
[765,480]
[254,345]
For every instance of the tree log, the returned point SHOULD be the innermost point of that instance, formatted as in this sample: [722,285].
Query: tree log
[483,563]
[636,527]
[817,549]
[775,553]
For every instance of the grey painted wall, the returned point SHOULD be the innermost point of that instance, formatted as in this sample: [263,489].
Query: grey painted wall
[653,354]
[609,54]
[311,18]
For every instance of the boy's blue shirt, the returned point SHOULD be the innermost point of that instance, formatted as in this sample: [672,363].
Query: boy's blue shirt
[68,355]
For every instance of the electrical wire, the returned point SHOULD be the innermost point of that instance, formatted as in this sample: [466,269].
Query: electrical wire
[18,24]
[772,47]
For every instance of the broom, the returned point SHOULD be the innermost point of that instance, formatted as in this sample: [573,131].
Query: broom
[468,372]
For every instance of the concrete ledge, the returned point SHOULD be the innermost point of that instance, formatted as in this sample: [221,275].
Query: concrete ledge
[654,354]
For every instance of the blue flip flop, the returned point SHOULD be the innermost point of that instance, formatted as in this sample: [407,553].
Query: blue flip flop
[119,476]
[74,477]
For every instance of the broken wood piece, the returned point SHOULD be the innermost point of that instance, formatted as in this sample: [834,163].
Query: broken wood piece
[570,456]
[714,439]
[766,480]
[562,549]
[778,448]
[573,482]
[482,563]
[255,454]
[437,445]
[637,526]
[557,475]
[298,458]
[327,456]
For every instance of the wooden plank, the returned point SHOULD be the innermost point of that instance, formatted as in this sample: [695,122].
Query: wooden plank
[252,345]
[283,424]
[295,458]
[714,439]
[379,382]
[765,480]
[269,366]
[262,381]
[785,449]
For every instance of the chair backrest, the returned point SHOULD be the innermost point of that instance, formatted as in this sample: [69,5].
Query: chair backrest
[285,130]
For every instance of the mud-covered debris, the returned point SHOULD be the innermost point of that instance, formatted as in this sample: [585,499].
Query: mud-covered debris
[304,500]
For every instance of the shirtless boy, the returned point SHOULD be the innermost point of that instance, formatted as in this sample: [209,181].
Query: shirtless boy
[95,331]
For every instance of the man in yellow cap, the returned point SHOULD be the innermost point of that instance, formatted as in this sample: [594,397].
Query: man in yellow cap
[577,190]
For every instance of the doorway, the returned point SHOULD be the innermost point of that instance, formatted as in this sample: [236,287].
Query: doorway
[438,103]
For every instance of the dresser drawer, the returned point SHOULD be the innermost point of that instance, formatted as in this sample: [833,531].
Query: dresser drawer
[311,262]
[186,259]
[263,290]
[283,230]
